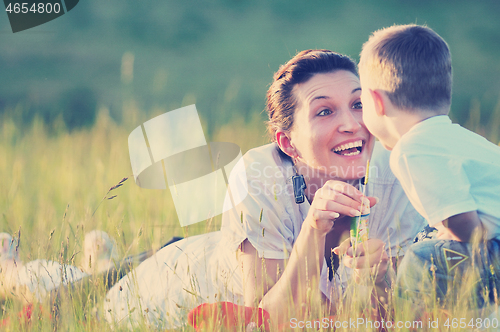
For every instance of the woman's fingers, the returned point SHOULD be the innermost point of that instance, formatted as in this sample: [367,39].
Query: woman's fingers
[333,188]
[342,205]
[328,199]
[323,220]
[344,188]
[363,262]
[366,254]
[377,272]
[319,214]
[337,198]
[342,248]
[368,247]
[373,200]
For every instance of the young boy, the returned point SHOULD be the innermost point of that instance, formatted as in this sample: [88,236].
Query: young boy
[450,174]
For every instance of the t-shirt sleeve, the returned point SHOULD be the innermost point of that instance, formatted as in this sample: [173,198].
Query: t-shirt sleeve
[262,217]
[437,186]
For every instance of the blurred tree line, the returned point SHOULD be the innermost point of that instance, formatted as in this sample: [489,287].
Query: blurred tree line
[220,54]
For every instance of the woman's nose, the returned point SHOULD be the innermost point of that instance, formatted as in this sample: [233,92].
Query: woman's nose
[349,123]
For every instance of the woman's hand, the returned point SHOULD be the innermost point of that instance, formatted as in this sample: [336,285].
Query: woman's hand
[336,198]
[368,259]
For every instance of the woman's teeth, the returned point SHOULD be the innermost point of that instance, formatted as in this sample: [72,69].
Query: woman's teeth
[349,149]
[352,153]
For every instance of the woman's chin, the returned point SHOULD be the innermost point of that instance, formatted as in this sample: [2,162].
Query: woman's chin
[350,167]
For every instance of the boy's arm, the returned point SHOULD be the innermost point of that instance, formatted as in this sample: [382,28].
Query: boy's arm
[462,226]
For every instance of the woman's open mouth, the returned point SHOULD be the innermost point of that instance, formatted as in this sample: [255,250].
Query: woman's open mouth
[349,149]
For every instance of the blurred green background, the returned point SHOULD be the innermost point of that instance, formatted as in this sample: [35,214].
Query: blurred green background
[72,90]
[220,54]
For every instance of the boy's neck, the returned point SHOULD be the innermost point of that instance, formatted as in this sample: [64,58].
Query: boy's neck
[404,120]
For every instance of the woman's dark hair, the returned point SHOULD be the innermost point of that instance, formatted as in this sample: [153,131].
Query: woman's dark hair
[281,103]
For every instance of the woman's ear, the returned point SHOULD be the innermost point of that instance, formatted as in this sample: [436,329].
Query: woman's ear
[285,143]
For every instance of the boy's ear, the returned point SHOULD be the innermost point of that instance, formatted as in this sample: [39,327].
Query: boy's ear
[285,143]
[379,101]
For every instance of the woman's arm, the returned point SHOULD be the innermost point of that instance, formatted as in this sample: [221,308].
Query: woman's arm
[273,284]
[259,274]
[268,281]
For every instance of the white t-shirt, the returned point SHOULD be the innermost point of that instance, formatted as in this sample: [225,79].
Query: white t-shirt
[446,170]
[271,220]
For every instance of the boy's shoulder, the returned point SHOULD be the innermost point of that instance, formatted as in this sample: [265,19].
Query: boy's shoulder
[437,145]
[424,138]
[438,136]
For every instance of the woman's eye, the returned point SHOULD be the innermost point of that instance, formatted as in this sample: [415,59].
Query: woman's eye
[324,112]
[357,106]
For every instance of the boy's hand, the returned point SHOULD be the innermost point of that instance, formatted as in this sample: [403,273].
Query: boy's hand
[460,227]
[444,233]
[368,259]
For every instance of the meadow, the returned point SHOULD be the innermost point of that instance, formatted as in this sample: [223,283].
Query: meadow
[55,187]
[72,91]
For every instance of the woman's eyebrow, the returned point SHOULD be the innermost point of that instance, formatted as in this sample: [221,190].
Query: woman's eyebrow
[319,97]
[357,89]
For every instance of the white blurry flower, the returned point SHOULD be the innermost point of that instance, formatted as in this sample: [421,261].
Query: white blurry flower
[100,252]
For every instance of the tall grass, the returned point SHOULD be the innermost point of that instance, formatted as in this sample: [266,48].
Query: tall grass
[53,180]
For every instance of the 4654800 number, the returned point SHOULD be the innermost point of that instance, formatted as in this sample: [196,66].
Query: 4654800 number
[472,324]
[36,8]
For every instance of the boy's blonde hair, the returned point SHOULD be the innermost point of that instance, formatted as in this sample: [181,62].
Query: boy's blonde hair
[412,64]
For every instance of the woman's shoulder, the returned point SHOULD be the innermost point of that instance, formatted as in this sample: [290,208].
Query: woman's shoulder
[267,204]
[269,154]
[267,162]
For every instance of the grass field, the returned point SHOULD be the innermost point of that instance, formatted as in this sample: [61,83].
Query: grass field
[54,188]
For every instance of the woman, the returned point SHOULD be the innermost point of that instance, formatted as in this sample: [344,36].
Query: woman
[315,121]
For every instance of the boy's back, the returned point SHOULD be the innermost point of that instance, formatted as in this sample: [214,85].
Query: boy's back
[446,170]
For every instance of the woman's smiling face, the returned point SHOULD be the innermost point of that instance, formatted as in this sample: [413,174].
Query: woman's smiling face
[328,133]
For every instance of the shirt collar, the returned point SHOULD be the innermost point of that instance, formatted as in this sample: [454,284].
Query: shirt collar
[436,119]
